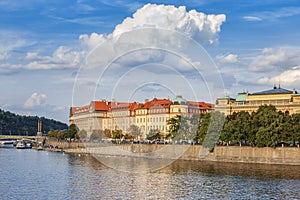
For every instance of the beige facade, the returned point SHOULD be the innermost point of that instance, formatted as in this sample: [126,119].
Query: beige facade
[151,115]
[287,101]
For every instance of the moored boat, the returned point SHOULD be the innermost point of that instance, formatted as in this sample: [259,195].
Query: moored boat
[39,148]
[6,144]
[21,145]
[28,145]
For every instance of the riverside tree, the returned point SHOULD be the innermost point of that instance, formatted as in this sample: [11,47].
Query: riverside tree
[264,128]
[183,127]
[237,128]
[134,130]
[154,134]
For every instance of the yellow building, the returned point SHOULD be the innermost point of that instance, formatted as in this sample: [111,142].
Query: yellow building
[150,115]
[287,101]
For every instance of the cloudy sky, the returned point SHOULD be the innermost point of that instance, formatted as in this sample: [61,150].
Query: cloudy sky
[55,54]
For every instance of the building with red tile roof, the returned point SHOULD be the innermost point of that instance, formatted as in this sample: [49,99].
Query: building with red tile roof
[153,114]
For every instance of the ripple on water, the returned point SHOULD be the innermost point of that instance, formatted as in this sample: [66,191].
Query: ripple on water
[30,174]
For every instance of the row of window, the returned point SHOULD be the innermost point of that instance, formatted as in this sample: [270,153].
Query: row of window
[152,119]
[136,120]
[122,113]
[142,128]
[261,102]
[165,110]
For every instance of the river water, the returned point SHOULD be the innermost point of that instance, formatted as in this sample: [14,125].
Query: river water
[31,174]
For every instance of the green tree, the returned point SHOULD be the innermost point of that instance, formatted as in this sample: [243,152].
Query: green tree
[117,134]
[174,125]
[183,127]
[214,130]
[82,134]
[72,131]
[12,124]
[295,128]
[227,132]
[203,127]
[55,134]
[94,136]
[154,134]
[107,133]
[237,128]
[267,124]
[134,130]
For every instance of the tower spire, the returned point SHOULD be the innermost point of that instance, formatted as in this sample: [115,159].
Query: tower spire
[39,132]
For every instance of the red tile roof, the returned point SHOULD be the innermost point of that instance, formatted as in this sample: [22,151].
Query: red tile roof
[157,103]
[121,106]
[101,105]
[85,108]
[200,105]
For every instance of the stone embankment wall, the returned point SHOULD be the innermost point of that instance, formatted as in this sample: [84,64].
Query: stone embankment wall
[281,155]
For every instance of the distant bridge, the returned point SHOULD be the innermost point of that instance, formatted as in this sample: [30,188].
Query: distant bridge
[16,137]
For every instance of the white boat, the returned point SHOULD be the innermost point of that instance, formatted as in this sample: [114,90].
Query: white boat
[39,148]
[6,144]
[20,145]
[28,145]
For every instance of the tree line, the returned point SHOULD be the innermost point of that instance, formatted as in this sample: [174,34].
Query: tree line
[13,124]
[266,127]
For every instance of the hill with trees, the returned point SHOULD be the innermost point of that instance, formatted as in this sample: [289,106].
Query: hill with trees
[13,124]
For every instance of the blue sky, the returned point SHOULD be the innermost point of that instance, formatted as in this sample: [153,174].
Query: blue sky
[44,46]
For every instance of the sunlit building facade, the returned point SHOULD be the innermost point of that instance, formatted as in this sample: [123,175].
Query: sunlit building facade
[150,115]
[286,101]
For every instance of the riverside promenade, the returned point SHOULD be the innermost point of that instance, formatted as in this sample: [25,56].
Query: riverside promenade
[240,154]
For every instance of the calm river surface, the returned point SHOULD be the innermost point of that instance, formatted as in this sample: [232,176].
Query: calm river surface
[31,174]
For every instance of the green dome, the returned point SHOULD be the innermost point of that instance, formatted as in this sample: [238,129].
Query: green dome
[179,100]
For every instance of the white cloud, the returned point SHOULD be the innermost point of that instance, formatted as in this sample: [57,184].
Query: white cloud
[91,41]
[128,4]
[201,27]
[288,78]
[274,14]
[164,29]
[35,100]
[252,18]
[282,12]
[197,25]
[279,59]
[32,56]
[230,58]
[10,41]
[4,55]
[62,58]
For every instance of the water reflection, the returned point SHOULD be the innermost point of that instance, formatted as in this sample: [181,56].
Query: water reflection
[259,171]
[29,174]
